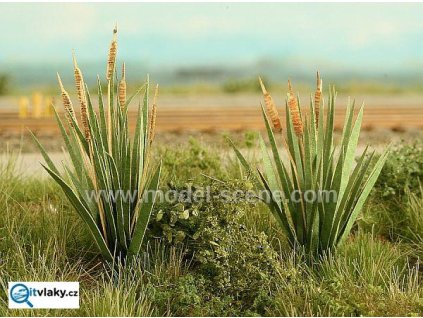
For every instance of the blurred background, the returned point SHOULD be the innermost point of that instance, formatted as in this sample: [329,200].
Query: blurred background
[209,55]
[365,47]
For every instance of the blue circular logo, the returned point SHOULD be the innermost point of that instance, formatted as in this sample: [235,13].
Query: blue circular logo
[19,293]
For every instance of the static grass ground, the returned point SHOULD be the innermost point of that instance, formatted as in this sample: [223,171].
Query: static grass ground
[251,272]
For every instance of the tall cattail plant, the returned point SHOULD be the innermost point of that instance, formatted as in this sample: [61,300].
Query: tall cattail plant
[317,193]
[111,182]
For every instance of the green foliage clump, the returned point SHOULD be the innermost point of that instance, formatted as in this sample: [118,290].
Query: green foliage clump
[392,209]
[251,138]
[4,84]
[227,257]
[180,297]
[403,170]
[190,161]
[240,85]
[414,216]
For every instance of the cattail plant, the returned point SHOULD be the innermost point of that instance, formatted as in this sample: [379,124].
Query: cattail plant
[122,87]
[153,115]
[111,58]
[318,192]
[294,111]
[271,108]
[317,98]
[110,182]
[67,103]
[80,89]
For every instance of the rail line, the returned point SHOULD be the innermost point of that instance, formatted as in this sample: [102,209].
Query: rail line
[211,119]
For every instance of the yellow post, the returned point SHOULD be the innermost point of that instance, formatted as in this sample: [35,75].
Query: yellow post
[48,106]
[23,104]
[37,100]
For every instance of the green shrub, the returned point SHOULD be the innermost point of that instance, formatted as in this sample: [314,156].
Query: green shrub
[398,221]
[251,139]
[240,85]
[403,170]
[4,84]
[188,162]
[227,257]
[388,212]
[415,217]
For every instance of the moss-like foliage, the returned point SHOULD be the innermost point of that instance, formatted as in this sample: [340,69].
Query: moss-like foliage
[227,257]
[403,170]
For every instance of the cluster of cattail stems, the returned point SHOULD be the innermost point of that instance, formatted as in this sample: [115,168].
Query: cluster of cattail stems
[293,106]
[105,157]
[81,93]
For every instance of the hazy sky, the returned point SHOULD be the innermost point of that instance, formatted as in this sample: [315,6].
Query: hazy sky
[374,36]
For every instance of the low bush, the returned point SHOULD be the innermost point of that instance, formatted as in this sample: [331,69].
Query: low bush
[241,86]
[403,170]
[227,257]
[414,216]
[389,213]
[189,161]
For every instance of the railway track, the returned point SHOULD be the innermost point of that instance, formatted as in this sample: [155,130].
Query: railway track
[210,119]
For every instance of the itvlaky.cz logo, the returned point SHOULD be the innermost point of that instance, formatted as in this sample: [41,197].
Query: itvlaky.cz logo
[43,295]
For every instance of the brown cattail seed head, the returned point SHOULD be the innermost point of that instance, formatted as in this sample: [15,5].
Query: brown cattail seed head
[111,60]
[152,127]
[67,103]
[122,88]
[84,120]
[271,108]
[80,89]
[79,80]
[295,112]
[317,98]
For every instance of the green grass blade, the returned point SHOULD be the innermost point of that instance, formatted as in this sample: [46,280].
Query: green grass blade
[83,212]
[246,166]
[279,214]
[268,167]
[146,206]
[46,157]
[118,205]
[363,196]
